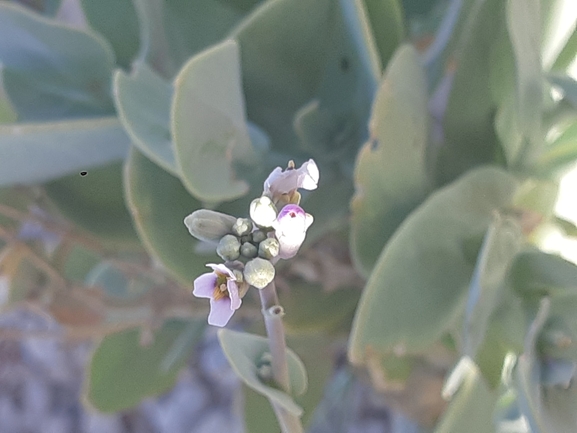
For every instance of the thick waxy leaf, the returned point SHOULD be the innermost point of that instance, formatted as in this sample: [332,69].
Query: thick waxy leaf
[95,202]
[316,353]
[283,49]
[501,244]
[386,20]
[172,32]
[469,135]
[53,71]
[310,308]
[209,124]
[390,177]
[122,371]
[334,123]
[159,203]
[524,26]
[143,103]
[471,408]
[561,153]
[244,353]
[559,24]
[536,274]
[115,20]
[316,64]
[115,283]
[37,152]
[418,285]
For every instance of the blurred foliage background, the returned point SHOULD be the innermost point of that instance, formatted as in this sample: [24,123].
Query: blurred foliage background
[443,250]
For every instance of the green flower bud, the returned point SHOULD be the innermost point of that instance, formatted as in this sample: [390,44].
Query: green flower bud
[248,250]
[268,248]
[258,236]
[259,272]
[263,211]
[242,226]
[208,225]
[228,248]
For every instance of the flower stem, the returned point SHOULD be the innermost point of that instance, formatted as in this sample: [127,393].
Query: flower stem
[273,313]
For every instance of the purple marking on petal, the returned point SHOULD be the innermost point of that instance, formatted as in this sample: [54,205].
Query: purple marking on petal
[235,300]
[220,312]
[204,285]
[290,230]
[222,269]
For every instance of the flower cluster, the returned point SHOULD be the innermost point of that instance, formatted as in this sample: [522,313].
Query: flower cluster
[251,246]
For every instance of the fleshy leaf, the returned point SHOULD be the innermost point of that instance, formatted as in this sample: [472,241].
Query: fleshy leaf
[51,70]
[471,408]
[501,243]
[122,371]
[536,273]
[143,102]
[303,305]
[386,19]
[37,152]
[209,125]
[418,286]
[316,352]
[390,177]
[115,283]
[159,203]
[95,203]
[469,135]
[115,20]
[244,352]
[524,26]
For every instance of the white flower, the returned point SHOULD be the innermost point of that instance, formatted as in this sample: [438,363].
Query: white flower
[290,229]
[283,182]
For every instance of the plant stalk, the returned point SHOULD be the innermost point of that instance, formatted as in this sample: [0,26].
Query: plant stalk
[273,313]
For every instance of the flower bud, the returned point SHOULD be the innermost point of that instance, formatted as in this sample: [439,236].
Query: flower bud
[269,248]
[208,225]
[258,236]
[242,227]
[259,272]
[248,250]
[228,248]
[263,211]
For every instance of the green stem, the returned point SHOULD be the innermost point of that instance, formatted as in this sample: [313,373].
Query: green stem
[273,313]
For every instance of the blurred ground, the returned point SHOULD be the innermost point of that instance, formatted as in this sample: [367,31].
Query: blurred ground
[41,377]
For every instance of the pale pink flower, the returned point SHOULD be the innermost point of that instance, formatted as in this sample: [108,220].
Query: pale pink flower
[221,288]
[290,229]
[284,181]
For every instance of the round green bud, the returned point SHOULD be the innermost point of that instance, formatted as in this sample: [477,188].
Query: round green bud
[259,272]
[268,248]
[263,211]
[208,225]
[258,236]
[242,227]
[228,248]
[248,250]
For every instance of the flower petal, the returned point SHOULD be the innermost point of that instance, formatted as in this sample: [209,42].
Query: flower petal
[220,312]
[282,182]
[235,300]
[222,269]
[290,230]
[204,285]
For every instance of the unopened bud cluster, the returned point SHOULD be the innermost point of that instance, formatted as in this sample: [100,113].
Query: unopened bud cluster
[249,247]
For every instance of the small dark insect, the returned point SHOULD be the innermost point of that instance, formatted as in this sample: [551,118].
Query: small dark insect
[344,64]
[83,173]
